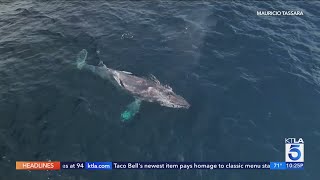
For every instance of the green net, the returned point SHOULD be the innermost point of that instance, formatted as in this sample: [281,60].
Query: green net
[132,109]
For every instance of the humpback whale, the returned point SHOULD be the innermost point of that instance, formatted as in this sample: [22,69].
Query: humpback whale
[142,89]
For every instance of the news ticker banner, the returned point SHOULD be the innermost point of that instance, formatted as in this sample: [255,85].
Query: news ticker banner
[57,165]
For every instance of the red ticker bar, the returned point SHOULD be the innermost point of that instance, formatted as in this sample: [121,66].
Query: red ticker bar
[37,165]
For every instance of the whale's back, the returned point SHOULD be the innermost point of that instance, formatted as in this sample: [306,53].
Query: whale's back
[150,90]
[133,83]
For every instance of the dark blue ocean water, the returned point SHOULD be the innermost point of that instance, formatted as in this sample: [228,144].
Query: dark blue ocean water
[251,81]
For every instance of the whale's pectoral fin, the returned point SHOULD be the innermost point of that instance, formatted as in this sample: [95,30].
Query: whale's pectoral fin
[81,58]
[132,109]
[81,61]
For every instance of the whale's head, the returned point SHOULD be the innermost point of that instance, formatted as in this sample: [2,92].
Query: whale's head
[172,100]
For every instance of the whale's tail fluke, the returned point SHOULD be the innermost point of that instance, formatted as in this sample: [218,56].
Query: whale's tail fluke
[81,58]
[132,109]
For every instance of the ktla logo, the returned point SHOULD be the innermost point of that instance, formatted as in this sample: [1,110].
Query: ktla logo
[294,150]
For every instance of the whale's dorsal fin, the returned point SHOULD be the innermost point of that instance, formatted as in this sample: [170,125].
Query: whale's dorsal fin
[101,64]
[154,79]
[126,72]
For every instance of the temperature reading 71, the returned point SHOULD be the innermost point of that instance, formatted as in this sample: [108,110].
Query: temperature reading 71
[277,165]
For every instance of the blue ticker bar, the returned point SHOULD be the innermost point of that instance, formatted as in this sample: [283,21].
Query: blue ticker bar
[286,165]
[295,166]
[277,165]
[187,165]
[99,165]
